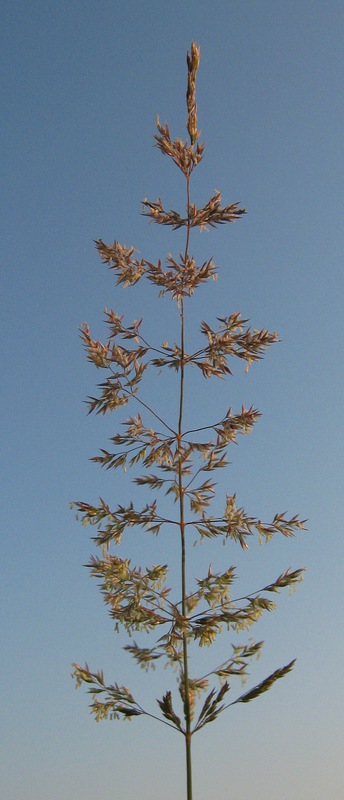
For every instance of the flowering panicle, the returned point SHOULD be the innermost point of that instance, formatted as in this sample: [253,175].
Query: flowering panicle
[172,460]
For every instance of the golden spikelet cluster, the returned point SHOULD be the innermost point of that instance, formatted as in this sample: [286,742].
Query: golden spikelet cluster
[185,156]
[193,60]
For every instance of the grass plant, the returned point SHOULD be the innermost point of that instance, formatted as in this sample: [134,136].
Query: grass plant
[180,463]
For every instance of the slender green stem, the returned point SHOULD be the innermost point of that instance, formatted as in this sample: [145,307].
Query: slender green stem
[187,711]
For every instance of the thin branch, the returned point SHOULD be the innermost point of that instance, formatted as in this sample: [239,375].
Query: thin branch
[158,719]
[142,403]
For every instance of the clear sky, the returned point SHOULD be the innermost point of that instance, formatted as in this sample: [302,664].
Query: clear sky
[82,83]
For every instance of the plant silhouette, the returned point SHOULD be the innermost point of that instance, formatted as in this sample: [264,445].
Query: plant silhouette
[181,463]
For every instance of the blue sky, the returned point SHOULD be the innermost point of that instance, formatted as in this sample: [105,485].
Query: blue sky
[82,83]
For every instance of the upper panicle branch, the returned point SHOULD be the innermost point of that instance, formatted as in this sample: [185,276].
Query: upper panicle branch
[120,259]
[238,526]
[126,365]
[211,214]
[181,278]
[118,699]
[265,685]
[185,156]
[232,339]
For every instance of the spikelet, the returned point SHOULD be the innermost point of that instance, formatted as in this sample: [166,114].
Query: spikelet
[193,60]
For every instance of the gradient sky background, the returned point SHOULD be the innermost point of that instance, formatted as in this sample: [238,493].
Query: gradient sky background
[82,83]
